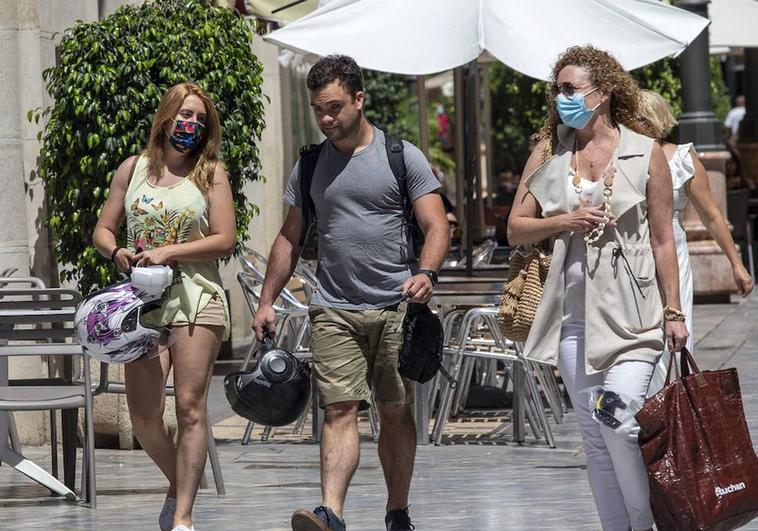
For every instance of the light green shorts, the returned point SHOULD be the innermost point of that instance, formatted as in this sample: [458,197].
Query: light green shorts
[355,352]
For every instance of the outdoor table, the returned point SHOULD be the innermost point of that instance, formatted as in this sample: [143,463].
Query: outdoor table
[482,271]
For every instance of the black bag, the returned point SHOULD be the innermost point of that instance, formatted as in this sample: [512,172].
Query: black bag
[421,350]
[395,154]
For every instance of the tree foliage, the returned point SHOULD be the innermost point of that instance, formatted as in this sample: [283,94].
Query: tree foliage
[392,107]
[106,86]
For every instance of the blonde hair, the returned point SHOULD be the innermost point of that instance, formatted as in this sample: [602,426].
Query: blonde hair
[655,116]
[206,154]
[605,72]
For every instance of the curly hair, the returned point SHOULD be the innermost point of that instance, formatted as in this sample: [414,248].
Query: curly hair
[605,72]
[336,67]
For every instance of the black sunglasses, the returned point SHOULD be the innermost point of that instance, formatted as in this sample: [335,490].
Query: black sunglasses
[567,89]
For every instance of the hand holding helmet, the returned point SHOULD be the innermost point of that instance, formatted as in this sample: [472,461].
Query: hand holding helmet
[276,392]
[109,323]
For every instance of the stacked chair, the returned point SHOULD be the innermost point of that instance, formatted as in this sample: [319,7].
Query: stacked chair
[474,345]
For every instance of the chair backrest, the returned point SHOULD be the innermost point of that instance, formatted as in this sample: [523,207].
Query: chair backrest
[38,321]
[8,281]
[251,288]
[253,263]
[737,212]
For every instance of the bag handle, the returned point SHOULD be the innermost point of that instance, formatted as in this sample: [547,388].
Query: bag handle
[686,367]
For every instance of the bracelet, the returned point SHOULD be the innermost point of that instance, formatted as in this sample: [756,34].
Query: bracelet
[672,314]
[115,251]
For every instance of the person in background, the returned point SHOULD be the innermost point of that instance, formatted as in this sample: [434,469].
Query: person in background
[690,183]
[733,174]
[732,123]
[452,219]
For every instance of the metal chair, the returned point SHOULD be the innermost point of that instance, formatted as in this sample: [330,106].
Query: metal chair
[292,333]
[39,322]
[526,397]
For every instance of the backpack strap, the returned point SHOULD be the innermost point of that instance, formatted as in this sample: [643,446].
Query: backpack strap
[308,159]
[396,157]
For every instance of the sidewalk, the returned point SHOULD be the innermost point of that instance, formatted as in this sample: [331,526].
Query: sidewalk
[474,486]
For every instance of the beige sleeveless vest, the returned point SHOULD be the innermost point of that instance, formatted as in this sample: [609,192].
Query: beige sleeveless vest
[624,308]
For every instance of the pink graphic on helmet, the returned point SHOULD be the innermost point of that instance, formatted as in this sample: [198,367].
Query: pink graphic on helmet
[98,326]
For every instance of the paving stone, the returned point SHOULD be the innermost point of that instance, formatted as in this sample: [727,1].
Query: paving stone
[472,482]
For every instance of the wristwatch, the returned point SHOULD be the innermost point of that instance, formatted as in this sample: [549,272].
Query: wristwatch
[430,273]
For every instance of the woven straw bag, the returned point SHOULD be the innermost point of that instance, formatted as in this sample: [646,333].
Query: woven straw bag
[527,272]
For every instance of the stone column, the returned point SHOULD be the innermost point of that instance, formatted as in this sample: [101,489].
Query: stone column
[268,193]
[14,243]
[698,124]
[15,19]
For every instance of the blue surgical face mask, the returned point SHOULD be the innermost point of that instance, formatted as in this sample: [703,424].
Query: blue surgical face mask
[573,111]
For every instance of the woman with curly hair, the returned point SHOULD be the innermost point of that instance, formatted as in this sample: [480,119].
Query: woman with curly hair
[690,182]
[179,211]
[600,193]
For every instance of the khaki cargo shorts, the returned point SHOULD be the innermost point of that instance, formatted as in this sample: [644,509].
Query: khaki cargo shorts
[355,352]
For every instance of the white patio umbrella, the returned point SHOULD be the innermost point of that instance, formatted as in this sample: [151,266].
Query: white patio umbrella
[426,36]
[417,37]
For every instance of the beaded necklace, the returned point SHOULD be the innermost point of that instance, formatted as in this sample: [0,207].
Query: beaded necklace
[608,174]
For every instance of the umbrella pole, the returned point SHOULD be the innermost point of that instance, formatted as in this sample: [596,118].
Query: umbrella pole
[423,116]
[470,155]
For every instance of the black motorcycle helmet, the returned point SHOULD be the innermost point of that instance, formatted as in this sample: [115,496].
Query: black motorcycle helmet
[275,393]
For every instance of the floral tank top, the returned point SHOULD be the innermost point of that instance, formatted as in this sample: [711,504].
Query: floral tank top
[165,215]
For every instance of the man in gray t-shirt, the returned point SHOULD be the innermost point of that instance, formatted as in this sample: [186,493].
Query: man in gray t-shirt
[364,252]
[366,272]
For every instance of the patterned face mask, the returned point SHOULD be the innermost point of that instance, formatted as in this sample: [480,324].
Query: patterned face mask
[186,135]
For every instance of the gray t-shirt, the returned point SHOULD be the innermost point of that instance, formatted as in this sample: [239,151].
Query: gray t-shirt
[364,252]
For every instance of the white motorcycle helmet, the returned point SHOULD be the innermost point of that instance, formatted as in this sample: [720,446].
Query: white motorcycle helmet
[109,322]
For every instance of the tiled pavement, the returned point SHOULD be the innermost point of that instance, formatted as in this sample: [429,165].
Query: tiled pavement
[477,486]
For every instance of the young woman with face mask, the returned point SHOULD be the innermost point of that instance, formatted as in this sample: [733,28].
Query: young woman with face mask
[600,194]
[179,212]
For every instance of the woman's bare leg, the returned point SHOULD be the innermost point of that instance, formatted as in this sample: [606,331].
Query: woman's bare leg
[193,354]
[146,397]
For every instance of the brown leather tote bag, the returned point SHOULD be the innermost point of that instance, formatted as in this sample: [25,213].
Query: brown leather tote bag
[702,468]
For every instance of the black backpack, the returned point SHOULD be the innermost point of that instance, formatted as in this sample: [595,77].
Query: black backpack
[395,154]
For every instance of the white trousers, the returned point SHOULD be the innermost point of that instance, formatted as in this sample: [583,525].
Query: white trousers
[617,474]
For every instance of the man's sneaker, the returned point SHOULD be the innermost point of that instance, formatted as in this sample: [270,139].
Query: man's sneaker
[398,520]
[321,519]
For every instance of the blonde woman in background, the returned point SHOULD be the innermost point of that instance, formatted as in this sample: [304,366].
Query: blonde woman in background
[690,182]
[179,211]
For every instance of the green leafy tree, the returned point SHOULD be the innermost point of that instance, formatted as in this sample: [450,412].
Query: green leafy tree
[387,97]
[106,86]
[519,107]
[392,107]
